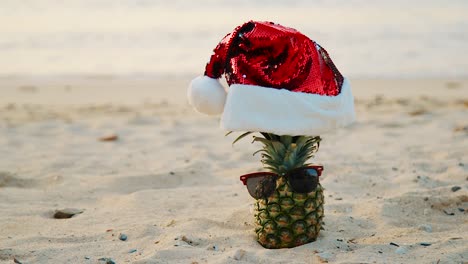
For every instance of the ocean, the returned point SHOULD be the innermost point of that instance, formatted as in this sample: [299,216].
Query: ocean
[370,39]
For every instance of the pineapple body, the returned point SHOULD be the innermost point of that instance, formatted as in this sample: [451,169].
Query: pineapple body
[287,219]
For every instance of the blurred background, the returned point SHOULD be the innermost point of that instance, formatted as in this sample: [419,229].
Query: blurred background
[366,39]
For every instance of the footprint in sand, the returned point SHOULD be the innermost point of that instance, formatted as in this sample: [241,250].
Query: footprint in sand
[412,209]
[8,179]
[167,180]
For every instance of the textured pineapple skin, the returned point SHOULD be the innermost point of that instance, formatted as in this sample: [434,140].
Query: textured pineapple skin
[287,219]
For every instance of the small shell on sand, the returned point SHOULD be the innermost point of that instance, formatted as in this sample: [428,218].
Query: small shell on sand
[67,213]
[108,138]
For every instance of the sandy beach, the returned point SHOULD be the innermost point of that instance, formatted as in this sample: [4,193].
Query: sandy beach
[137,160]
[95,129]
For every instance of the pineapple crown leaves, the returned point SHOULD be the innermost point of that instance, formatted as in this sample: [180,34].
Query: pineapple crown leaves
[281,154]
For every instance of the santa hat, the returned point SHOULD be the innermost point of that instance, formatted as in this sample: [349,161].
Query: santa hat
[279,81]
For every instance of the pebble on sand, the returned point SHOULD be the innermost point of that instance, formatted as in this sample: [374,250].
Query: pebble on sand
[123,237]
[394,244]
[107,260]
[213,247]
[448,212]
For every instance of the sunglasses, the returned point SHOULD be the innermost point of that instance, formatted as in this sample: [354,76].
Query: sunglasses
[261,185]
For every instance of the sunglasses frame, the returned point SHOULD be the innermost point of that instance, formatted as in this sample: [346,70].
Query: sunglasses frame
[245,177]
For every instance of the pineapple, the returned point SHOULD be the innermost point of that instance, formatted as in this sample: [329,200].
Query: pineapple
[287,219]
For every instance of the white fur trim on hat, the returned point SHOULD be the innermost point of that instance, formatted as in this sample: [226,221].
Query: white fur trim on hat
[207,95]
[282,112]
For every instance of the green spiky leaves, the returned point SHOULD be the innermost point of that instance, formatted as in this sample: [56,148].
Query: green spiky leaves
[284,153]
[281,154]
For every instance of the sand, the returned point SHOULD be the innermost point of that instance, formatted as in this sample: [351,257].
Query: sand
[169,181]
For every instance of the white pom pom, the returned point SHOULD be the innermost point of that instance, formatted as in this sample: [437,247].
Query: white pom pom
[207,95]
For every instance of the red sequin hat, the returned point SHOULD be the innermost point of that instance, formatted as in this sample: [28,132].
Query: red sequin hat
[280,81]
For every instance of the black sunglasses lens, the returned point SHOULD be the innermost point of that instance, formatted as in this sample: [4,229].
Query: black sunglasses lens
[261,187]
[303,180]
